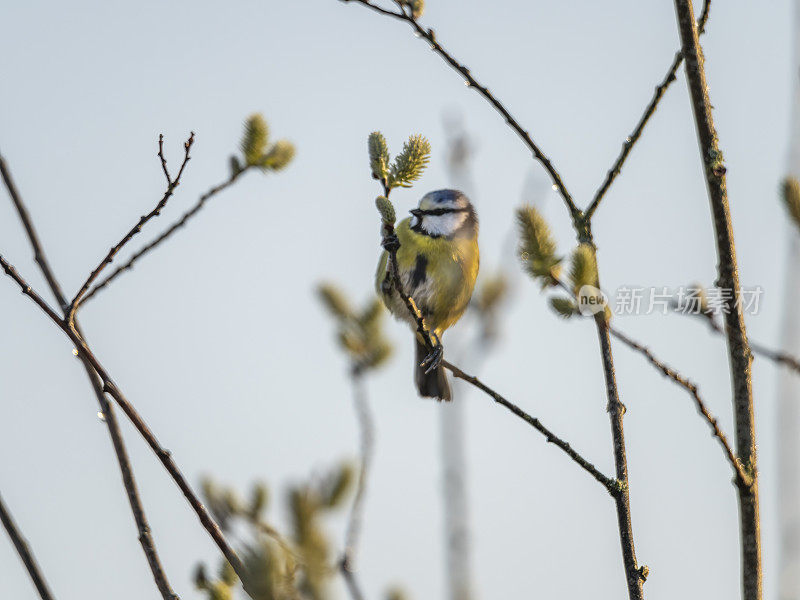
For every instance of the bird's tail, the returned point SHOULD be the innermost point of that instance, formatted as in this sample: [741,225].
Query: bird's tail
[433,384]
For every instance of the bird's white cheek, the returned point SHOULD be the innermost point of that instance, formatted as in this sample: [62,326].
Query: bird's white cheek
[414,222]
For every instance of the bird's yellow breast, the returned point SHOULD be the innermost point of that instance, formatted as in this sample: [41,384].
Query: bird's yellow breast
[439,273]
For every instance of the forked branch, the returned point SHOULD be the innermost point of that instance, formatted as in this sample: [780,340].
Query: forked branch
[129,481]
[166,234]
[109,387]
[742,478]
[649,111]
[429,36]
[171,185]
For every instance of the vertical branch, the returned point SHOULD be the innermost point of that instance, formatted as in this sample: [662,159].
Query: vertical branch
[739,354]
[24,553]
[616,410]
[456,512]
[459,570]
[366,425]
[143,527]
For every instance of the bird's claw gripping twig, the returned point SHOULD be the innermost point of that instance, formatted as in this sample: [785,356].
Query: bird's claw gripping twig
[390,243]
[434,359]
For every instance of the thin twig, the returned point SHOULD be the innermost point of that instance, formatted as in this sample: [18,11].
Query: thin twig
[777,356]
[129,482]
[173,183]
[109,387]
[741,476]
[163,158]
[24,553]
[610,484]
[429,36]
[631,140]
[30,230]
[782,358]
[165,234]
[634,575]
[739,353]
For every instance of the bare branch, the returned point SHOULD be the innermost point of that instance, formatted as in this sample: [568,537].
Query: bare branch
[634,575]
[777,356]
[742,477]
[608,483]
[143,527]
[631,140]
[27,223]
[166,233]
[163,159]
[136,228]
[24,553]
[739,354]
[109,387]
[429,36]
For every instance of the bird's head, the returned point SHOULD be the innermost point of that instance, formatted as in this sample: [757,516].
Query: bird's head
[445,213]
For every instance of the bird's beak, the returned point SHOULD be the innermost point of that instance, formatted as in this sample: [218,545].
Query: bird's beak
[416,212]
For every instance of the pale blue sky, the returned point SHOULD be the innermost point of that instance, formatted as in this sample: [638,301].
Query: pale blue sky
[221,345]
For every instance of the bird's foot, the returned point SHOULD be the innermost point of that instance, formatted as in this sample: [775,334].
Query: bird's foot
[390,243]
[434,359]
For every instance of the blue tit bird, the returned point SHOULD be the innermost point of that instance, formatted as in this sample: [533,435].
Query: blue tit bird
[437,261]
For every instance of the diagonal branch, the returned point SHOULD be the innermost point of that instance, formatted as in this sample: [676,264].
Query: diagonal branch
[742,478]
[109,387]
[631,140]
[33,236]
[143,527]
[610,484]
[166,233]
[24,553]
[173,183]
[429,36]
